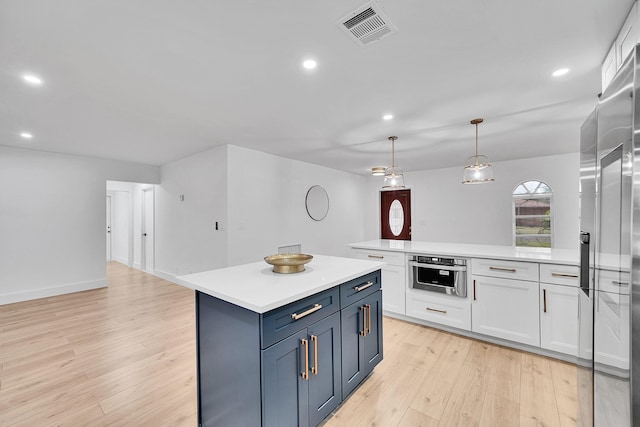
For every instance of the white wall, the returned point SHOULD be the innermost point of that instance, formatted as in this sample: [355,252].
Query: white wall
[52,221]
[444,210]
[186,240]
[267,206]
[258,201]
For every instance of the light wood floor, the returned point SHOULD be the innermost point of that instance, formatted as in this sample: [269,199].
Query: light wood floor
[125,355]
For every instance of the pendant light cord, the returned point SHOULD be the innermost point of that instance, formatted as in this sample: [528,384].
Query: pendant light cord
[476,144]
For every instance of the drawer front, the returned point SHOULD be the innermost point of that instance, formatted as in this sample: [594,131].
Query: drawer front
[393,258]
[505,269]
[282,322]
[356,289]
[450,311]
[558,274]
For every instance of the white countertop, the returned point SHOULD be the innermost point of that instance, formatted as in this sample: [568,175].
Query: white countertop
[551,256]
[257,288]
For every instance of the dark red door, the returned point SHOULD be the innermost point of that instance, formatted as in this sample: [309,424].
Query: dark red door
[395,214]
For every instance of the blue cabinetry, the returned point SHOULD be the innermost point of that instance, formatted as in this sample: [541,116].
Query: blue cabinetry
[361,330]
[285,367]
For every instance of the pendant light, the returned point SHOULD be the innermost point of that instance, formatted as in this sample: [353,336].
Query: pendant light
[478,169]
[393,177]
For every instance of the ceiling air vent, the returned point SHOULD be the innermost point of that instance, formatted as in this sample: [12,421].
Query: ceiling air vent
[367,24]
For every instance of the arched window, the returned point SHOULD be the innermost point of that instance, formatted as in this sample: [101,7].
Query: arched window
[532,219]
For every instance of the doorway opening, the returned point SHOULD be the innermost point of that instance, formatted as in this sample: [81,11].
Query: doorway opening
[130,228]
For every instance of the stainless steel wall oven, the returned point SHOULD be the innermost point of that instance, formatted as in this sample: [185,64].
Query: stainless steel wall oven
[438,274]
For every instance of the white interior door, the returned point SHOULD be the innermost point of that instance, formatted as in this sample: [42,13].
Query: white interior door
[108,239]
[147,230]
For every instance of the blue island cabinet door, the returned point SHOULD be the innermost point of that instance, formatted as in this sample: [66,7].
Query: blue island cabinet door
[325,389]
[372,346]
[352,328]
[285,394]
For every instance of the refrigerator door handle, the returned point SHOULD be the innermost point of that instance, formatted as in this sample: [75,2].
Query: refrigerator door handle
[584,261]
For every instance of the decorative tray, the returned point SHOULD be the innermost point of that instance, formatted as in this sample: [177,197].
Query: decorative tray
[288,263]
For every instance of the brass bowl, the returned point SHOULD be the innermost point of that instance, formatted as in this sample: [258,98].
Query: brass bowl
[288,263]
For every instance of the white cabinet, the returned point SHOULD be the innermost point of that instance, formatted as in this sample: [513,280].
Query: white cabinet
[627,38]
[439,308]
[393,277]
[559,294]
[559,318]
[622,46]
[505,308]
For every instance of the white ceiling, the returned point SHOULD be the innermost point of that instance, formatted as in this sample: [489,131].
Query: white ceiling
[152,81]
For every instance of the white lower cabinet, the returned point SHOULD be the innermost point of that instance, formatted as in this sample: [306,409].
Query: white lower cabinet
[393,277]
[443,309]
[393,288]
[559,318]
[506,308]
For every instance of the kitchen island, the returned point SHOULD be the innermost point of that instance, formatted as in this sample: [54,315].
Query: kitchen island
[284,349]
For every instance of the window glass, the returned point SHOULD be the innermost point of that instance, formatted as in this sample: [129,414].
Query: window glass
[532,220]
[396,217]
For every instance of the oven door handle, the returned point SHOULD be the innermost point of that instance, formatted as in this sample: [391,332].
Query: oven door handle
[438,267]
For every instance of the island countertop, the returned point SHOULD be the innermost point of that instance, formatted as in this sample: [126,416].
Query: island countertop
[257,288]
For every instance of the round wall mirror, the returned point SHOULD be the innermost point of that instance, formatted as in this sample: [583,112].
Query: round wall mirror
[317,203]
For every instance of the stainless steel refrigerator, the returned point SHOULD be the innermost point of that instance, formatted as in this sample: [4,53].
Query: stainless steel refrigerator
[609,311]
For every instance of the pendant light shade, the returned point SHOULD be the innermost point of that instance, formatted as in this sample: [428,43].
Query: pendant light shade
[393,176]
[477,169]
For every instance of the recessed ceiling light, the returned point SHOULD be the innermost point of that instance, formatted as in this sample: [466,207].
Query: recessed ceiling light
[26,135]
[560,72]
[32,79]
[309,64]
[387,117]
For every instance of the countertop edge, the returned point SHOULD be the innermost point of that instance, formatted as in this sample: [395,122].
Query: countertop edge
[463,251]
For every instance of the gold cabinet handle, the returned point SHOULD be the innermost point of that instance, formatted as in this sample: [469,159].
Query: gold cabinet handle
[508,270]
[316,307]
[618,283]
[573,276]
[376,256]
[305,373]
[363,287]
[474,290]
[435,309]
[544,299]
[369,317]
[314,368]
[363,309]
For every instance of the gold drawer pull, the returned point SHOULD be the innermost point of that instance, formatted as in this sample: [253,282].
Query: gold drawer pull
[376,256]
[363,332]
[305,374]
[573,276]
[316,307]
[615,282]
[363,287]
[508,270]
[314,368]
[544,298]
[435,309]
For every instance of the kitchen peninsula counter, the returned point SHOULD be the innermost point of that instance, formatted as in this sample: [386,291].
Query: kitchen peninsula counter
[511,253]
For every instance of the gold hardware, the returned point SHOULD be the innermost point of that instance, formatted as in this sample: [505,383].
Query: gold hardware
[474,290]
[369,317]
[508,270]
[363,287]
[363,332]
[305,374]
[544,298]
[439,311]
[376,256]
[573,276]
[314,368]
[316,307]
